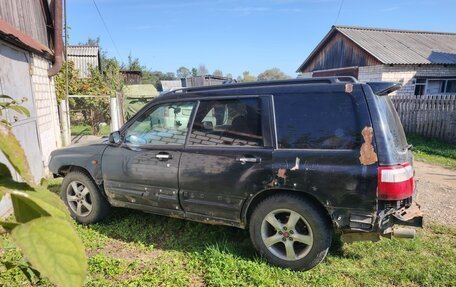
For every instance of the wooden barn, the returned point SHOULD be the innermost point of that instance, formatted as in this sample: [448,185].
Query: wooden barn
[30,55]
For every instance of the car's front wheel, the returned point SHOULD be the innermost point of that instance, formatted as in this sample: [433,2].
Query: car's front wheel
[83,198]
[290,232]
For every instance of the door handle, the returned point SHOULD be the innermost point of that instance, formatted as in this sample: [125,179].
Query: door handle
[163,156]
[249,159]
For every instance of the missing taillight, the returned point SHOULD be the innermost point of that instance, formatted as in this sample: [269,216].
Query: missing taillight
[395,182]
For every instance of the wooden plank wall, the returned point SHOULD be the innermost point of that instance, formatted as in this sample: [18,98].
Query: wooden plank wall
[432,116]
[27,16]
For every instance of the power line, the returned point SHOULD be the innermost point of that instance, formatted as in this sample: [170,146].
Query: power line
[107,30]
[338,13]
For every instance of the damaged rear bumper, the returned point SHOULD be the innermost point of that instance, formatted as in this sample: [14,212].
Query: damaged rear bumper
[408,216]
[386,224]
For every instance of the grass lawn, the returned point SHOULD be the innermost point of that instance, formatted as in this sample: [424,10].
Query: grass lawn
[132,248]
[87,130]
[433,151]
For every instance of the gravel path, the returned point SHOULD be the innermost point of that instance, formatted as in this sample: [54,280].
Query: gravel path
[436,193]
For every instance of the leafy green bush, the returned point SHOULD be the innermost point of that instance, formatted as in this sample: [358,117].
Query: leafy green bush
[38,222]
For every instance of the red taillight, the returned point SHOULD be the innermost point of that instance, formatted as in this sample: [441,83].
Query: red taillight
[395,182]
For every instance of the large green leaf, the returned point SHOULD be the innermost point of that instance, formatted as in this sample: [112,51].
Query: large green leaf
[28,206]
[53,247]
[13,151]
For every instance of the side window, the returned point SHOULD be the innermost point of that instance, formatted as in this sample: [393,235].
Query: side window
[163,125]
[235,122]
[323,121]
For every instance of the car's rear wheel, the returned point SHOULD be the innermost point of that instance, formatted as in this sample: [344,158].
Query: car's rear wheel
[83,198]
[290,232]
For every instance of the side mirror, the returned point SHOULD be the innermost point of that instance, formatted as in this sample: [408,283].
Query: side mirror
[115,138]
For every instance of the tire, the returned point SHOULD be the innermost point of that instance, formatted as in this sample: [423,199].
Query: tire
[299,244]
[86,205]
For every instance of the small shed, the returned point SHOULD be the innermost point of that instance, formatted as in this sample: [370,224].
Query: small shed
[84,57]
[131,77]
[206,80]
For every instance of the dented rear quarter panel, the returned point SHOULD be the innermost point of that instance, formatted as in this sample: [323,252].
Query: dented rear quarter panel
[344,181]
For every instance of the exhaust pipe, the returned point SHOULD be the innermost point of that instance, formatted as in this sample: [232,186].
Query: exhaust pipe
[408,233]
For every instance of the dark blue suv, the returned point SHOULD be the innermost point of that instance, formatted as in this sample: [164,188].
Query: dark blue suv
[292,161]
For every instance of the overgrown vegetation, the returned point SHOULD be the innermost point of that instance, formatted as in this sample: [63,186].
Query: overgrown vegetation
[133,248]
[433,151]
[93,111]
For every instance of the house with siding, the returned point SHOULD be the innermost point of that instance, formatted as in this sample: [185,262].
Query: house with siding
[424,62]
[30,54]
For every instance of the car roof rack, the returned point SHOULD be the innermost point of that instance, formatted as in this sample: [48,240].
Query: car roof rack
[298,81]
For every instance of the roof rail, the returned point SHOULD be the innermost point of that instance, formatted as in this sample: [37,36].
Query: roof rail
[298,81]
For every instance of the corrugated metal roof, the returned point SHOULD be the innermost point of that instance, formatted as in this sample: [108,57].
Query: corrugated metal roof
[83,57]
[391,46]
[404,47]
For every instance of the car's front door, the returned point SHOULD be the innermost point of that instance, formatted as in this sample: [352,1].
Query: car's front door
[227,157]
[142,171]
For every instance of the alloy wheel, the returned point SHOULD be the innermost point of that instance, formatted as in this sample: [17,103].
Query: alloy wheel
[287,234]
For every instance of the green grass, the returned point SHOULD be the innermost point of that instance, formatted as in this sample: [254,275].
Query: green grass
[132,248]
[433,151]
[87,130]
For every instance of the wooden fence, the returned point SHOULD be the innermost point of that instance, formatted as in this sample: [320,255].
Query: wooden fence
[432,116]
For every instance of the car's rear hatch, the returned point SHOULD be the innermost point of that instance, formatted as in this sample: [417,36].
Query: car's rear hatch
[394,155]
[391,142]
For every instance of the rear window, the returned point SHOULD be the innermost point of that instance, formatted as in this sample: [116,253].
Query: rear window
[394,131]
[321,121]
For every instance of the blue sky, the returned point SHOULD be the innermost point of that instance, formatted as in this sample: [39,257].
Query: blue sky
[236,36]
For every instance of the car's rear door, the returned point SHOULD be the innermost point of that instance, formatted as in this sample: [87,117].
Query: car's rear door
[227,157]
[143,170]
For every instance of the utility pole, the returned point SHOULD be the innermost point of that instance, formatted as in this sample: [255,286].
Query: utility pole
[66,113]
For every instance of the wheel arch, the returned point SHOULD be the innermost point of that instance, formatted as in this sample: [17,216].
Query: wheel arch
[251,204]
[65,169]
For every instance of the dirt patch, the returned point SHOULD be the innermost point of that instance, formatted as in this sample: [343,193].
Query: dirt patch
[121,250]
[436,193]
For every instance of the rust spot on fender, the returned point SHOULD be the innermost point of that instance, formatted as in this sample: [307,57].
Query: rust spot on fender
[282,173]
[367,152]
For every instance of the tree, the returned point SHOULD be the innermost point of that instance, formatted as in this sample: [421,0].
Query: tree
[183,72]
[95,110]
[229,76]
[202,70]
[91,42]
[246,77]
[217,73]
[273,74]
[133,64]
[194,72]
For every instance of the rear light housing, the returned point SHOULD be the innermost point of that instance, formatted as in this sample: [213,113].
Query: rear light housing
[395,182]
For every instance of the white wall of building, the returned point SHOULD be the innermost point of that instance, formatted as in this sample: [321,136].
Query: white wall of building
[24,75]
